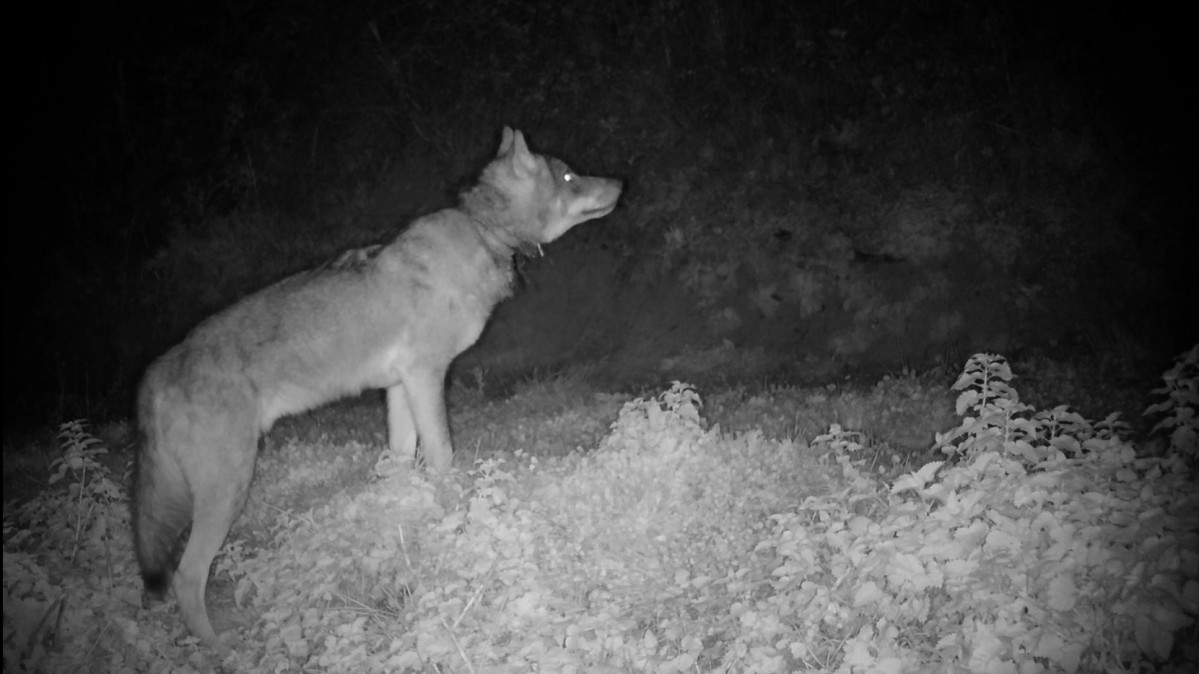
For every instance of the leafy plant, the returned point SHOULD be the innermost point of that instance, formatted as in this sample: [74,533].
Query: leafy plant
[59,555]
[1181,392]
[1043,543]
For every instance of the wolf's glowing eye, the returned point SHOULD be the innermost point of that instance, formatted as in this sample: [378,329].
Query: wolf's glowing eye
[568,176]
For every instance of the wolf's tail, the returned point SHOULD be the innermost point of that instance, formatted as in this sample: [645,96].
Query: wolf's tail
[162,501]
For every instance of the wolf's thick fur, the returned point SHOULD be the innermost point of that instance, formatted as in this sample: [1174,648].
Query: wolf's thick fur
[391,316]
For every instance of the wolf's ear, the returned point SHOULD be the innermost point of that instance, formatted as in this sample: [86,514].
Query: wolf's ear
[505,142]
[513,142]
[518,143]
[524,164]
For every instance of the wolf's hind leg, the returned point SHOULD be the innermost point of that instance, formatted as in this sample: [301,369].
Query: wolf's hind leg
[220,480]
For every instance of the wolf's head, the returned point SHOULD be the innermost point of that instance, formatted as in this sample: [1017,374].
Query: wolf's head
[527,199]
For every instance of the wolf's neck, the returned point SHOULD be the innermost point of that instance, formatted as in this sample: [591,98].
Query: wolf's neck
[491,210]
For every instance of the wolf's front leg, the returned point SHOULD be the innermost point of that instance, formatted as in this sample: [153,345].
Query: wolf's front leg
[401,427]
[426,399]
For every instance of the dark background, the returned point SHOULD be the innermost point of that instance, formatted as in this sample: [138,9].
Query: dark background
[823,181]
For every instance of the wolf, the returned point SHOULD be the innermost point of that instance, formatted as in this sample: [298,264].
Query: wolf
[391,316]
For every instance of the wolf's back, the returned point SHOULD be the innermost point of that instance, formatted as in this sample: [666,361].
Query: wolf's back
[162,505]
